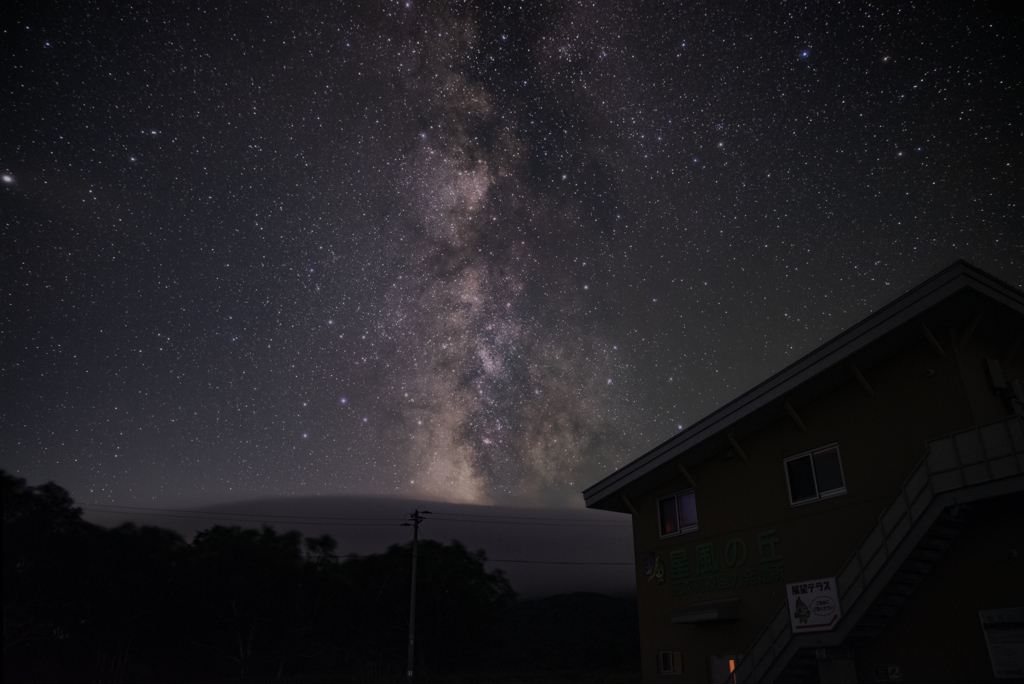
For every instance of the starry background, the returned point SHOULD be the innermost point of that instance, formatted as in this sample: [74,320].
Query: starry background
[475,252]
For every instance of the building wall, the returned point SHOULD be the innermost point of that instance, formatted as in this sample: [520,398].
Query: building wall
[918,396]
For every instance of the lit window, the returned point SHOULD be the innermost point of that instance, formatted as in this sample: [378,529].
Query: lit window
[814,475]
[670,662]
[677,513]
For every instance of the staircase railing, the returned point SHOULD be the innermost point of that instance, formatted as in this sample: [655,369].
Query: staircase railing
[966,466]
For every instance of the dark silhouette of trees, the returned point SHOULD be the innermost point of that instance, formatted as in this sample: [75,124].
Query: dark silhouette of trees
[458,601]
[130,577]
[87,604]
[43,596]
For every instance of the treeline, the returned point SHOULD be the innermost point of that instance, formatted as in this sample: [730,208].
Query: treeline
[85,603]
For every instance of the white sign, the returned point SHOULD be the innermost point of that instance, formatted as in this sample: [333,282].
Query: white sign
[1004,633]
[813,605]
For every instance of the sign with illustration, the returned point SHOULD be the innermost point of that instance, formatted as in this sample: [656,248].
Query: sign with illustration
[813,605]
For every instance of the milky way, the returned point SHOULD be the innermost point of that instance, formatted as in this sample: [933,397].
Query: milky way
[465,251]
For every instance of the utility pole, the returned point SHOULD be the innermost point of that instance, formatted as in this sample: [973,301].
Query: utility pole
[416,517]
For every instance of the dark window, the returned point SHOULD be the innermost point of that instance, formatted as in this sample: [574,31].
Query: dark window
[815,475]
[827,471]
[677,513]
[670,662]
[687,505]
[801,479]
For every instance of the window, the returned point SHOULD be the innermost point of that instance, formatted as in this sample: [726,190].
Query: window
[814,475]
[677,513]
[670,662]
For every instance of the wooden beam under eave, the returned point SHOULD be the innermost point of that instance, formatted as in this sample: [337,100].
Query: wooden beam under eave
[862,380]
[685,473]
[932,341]
[736,447]
[629,506]
[966,337]
[795,417]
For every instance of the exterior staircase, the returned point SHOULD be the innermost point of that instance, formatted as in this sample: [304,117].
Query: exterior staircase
[910,536]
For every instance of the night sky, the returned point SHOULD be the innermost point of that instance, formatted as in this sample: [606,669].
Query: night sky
[470,252]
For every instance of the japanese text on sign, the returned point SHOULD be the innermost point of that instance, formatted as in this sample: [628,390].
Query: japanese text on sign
[813,605]
[706,574]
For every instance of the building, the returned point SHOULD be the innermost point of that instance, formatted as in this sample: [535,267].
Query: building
[859,516]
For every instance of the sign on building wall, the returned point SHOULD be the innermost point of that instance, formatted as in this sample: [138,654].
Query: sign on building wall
[713,566]
[813,605]
[1004,634]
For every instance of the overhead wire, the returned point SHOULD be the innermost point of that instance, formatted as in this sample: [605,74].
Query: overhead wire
[518,560]
[348,521]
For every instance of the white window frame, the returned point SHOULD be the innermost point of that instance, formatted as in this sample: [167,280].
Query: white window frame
[681,530]
[675,658]
[819,496]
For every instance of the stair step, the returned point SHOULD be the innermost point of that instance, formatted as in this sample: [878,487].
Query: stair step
[938,539]
[903,584]
[913,573]
[919,567]
[874,616]
[900,587]
[891,601]
[925,555]
[942,532]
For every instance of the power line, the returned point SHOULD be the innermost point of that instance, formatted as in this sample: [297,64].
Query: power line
[527,517]
[513,560]
[542,524]
[263,519]
[519,560]
[329,520]
[225,513]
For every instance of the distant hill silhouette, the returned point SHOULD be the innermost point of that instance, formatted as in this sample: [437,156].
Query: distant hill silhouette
[593,536]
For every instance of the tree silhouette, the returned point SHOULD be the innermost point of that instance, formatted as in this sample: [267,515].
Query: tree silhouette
[458,602]
[89,604]
[43,593]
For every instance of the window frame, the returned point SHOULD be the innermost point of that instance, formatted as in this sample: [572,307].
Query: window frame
[675,496]
[676,660]
[818,495]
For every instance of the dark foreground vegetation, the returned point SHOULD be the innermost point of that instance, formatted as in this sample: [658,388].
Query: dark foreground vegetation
[139,604]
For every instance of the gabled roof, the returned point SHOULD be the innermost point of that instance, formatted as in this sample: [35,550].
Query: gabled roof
[955,297]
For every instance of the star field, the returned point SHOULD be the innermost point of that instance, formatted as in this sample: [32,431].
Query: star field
[479,252]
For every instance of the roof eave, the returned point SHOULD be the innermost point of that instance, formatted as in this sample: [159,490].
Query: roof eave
[900,311]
